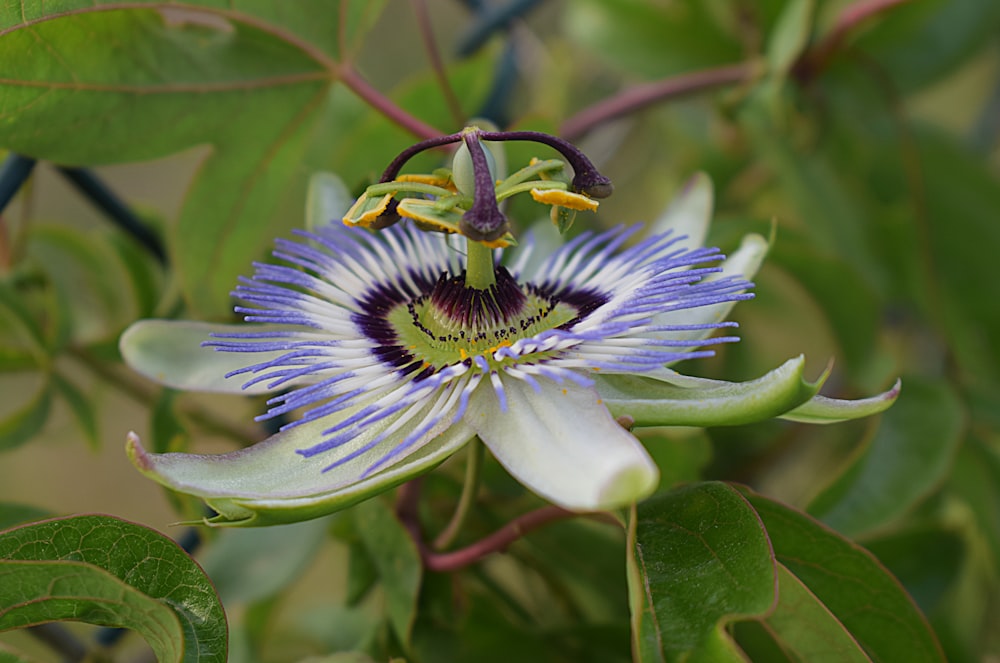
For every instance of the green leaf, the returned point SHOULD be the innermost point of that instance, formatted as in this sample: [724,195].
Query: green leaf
[789,37]
[926,559]
[38,592]
[251,565]
[698,559]
[166,429]
[652,39]
[962,194]
[806,629]
[145,273]
[696,402]
[82,408]
[397,560]
[917,43]
[361,573]
[23,339]
[851,583]
[87,277]
[855,319]
[335,627]
[819,191]
[249,79]
[22,424]
[908,456]
[113,572]
[975,478]
[681,452]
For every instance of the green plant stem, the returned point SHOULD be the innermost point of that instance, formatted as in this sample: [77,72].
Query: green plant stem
[473,467]
[479,268]
[146,394]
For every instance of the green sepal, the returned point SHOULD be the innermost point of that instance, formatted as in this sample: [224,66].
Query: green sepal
[823,410]
[650,401]
[563,218]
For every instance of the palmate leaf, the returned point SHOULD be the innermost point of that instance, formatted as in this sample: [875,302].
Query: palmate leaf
[85,83]
[107,571]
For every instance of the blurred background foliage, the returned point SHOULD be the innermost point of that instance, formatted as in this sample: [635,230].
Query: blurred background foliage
[866,131]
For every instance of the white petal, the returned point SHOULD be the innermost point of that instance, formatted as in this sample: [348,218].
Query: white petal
[270,483]
[170,352]
[327,200]
[689,213]
[562,443]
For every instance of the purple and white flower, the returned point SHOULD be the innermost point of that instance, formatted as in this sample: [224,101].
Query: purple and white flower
[390,363]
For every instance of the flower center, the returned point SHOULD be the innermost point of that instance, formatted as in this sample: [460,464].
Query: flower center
[452,323]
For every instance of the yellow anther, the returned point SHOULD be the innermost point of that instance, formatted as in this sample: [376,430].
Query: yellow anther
[365,211]
[566,199]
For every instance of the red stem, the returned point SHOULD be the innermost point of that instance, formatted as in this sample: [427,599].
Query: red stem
[810,64]
[817,58]
[427,33]
[359,86]
[498,541]
[640,96]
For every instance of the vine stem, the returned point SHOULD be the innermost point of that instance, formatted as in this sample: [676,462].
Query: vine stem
[812,62]
[816,59]
[473,465]
[359,86]
[437,64]
[640,96]
[442,562]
